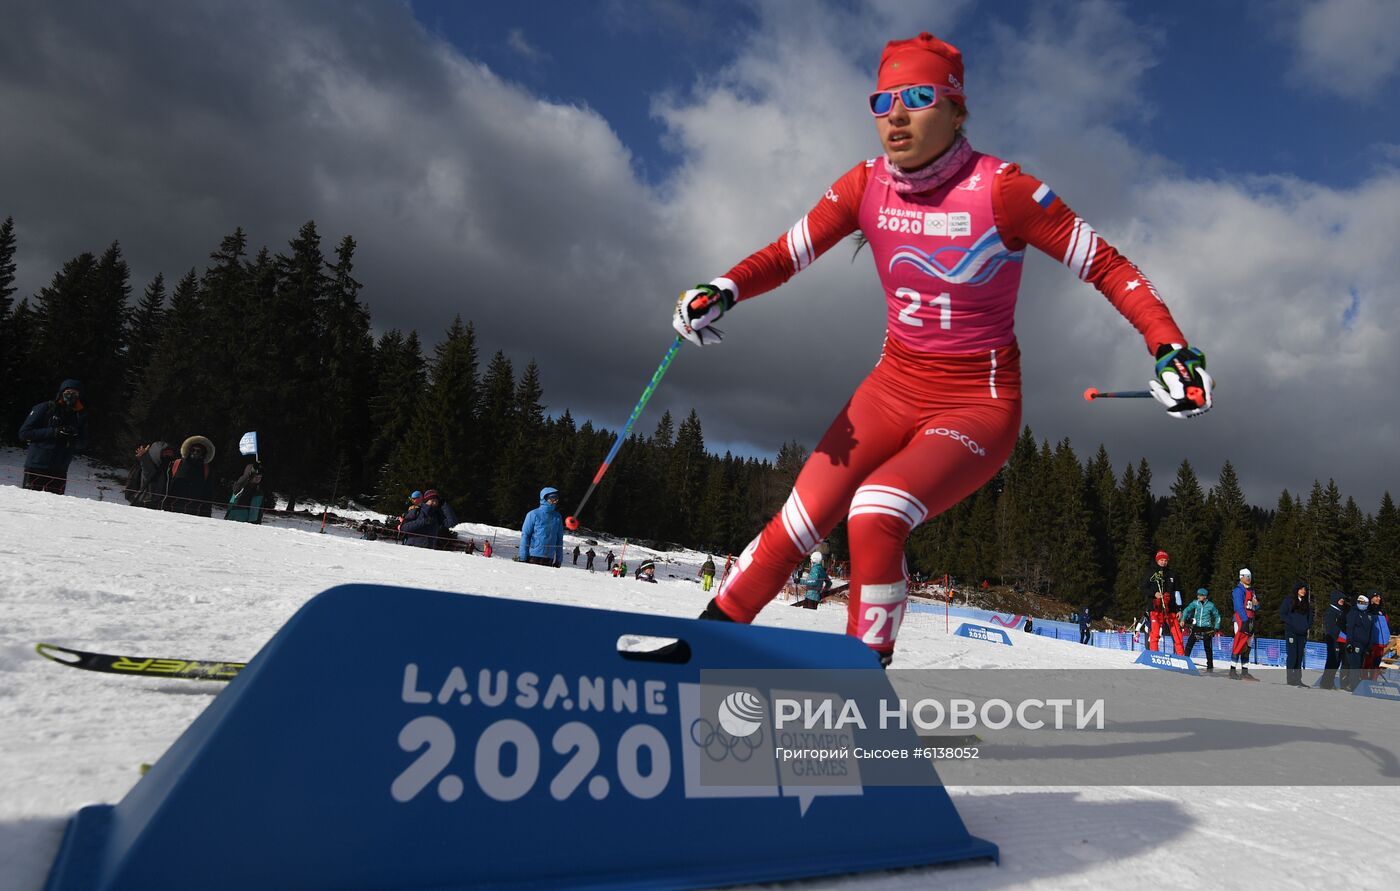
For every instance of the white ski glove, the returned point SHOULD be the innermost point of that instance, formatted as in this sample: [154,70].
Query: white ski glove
[1182,384]
[699,308]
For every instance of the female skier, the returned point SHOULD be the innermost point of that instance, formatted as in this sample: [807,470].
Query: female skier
[938,415]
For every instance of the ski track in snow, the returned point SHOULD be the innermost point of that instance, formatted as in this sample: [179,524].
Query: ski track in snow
[104,576]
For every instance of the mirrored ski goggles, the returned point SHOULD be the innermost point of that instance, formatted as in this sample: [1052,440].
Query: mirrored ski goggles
[914,98]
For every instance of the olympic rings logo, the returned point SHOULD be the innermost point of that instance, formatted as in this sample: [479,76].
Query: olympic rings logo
[719,745]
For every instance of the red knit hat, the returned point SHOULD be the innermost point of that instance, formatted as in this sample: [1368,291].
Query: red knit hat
[920,60]
[1162,555]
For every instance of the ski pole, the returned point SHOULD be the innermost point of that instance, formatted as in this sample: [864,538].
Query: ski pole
[572,520]
[1094,393]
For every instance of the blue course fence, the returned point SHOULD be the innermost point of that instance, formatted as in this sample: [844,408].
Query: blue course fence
[1267,651]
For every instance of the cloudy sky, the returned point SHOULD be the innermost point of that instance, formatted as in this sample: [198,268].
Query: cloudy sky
[557,172]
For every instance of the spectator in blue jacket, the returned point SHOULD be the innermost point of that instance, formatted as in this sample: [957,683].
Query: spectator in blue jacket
[1246,604]
[542,533]
[1334,623]
[430,526]
[54,431]
[1202,620]
[1357,639]
[1296,612]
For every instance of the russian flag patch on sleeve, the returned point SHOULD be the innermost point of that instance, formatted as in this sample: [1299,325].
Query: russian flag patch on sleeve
[1043,196]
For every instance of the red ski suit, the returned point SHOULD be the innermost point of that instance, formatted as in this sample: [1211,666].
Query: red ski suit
[938,415]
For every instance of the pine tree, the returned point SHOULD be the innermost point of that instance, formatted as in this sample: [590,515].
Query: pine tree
[437,451]
[146,323]
[7,265]
[1020,520]
[14,400]
[83,318]
[520,463]
[298,424]
[1234,543]
[1351,547]
[349,364]
[1280,561]
[1382,570]
[1322,568]
[982,528]
[1107,527]
[399,378]
[1074,573]
[1182,533]
[1134,560]
[167,404]
[687,475]
[497,425]
[28,383]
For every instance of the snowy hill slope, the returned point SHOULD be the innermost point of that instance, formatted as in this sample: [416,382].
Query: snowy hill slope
[105,576]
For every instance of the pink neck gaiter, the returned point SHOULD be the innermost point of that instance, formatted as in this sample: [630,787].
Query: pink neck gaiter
[933,174]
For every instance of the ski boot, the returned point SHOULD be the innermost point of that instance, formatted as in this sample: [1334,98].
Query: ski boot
[1233,674]
[1246,676]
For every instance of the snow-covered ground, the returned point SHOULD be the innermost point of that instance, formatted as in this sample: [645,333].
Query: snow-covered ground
[100,575]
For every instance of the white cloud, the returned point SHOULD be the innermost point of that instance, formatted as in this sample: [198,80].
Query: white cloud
[515,39]
[1349,48]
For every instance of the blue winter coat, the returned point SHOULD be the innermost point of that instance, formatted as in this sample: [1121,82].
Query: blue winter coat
[542,534]
[1239,597]
[1361,626]
[1380,630]
[1295,622]
[426,526]
[48,449]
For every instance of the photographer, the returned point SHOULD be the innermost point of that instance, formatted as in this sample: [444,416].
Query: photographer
[54,431]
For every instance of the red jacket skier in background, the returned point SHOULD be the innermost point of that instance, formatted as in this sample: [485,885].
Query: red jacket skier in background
[938,415]
[1163,592]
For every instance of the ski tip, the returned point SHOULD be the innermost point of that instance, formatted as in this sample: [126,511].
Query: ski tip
[57,653]
[1090,394]
[572,523]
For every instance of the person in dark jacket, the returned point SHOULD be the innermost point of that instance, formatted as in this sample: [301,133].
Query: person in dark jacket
[1085,619]
[577,551]
[1202,620]
[1296,612]
[612,558]
[646,572]
[431,525]
[1356,637]
[1334,623]
[1162,590]
[54,431]
[191,489]
[589,556]
[542,533]
[149,481]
